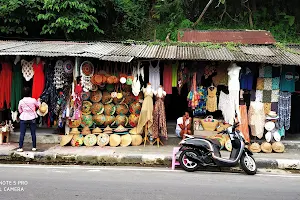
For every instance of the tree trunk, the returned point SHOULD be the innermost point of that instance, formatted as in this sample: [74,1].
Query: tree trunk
[203,12]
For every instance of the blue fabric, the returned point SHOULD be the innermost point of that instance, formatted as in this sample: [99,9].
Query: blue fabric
[178,133]
[23,126]
[268,71]
[275,83]
[287,80]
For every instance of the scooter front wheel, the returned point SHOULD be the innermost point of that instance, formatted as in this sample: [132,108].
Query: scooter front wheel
[248,164]
[187,164]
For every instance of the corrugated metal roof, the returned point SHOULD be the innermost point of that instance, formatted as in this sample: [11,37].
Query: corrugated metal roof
[279,58]
[102,48]
[9,44]
[262,51]
[128,50]
[222,36]
[190,53]
[294,57]
[149,51]
[221,54]
[113,58]
[166,52]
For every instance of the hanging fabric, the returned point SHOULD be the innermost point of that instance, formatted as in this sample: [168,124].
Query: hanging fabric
[27,69]
[154,75]
[174,74]
[243,127]
[38,79]
[5,85]
[256,116]
[16,87]
[159,117]
[167,80]
[284,109]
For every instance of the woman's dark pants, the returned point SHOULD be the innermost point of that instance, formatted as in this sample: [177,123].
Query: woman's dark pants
[23,126]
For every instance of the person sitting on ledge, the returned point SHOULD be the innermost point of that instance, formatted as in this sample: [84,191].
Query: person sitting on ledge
[183,125]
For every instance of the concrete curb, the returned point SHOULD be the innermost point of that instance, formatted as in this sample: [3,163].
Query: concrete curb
[124,160]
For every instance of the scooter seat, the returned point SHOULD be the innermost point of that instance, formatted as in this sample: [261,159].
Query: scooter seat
[213,141]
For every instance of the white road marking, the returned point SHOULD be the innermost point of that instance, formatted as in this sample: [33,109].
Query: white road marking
[98,169]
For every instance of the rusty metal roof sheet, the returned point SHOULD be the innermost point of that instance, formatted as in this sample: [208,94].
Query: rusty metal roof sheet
[222,36]
[262,51]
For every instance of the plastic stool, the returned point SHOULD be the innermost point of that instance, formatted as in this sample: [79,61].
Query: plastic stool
[174,161]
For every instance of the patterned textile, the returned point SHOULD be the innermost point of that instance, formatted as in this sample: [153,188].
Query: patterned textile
[267,96]
[159,119]
[256,116]
[211,103]
[275,96]
[267,108]
[261,72]
[284,109]
[222,77]
[252,95]
[274,107]
[268,71]
[209,70]
[268,84]
[275,83]
[260,84]
[244,123]
[259,95]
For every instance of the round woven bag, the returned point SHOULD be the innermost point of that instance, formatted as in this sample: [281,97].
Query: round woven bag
[86,107]
[109,109]
[135,108]
[74,123]
[96,96]
[87,68]
[87,120]
[90,140]
[255,148]
[103,139]
[106,98]
[121,120]
[77,140]
[97,108]
[122,109]
[133,120]
[99,119]
[266,147]
[110,120]
[85,96]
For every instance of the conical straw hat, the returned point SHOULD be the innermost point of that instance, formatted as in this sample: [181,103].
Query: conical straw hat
[103,139]
[65,139]
[136,140]
[86,130]
[90,140]
[97,130]
[125,140]
[114,140]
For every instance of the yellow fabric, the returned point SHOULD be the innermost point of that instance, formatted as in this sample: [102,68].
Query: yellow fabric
[211,103]
[146,114]
[174,74]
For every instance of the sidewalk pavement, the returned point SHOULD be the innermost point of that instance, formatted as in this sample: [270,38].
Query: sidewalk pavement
[133,155]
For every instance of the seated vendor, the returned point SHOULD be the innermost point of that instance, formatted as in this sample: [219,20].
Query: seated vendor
[183,125]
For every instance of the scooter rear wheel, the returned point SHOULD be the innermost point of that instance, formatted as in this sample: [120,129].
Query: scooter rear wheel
[248,164]
[185,163]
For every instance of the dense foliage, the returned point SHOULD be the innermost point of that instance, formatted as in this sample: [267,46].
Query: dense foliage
[144,19]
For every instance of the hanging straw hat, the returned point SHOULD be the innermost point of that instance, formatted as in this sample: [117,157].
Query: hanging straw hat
[126,140]
[77,140]
[266,147]
[255,148]
[90,140]
[96,96]
[272,115]
[65,139]
[278,147]
[99,119]
[108,130]
[86,120]
[85,131]
[109,109]
[136,140]
[109,120]
[103,139]
[114,140]
[133,120]
[121,120]
[135,108]
[106,98]
[75,131]
[97,108]
[121,129]
[122,109]
[94,88]
[74,123]
[86,107]
[97,130]
[43,109]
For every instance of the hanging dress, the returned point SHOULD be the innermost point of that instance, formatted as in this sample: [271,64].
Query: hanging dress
[38,80]
[16,87]
[211,104]
[159,119]
[243,127]
[174,74]
[154,76]
[256,116]
[146,114]
[167,80]
[5,85]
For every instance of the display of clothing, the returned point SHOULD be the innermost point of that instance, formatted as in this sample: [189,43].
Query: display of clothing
[146,114]
[16,86]
[243,127]
[201,107]
[246,79]
[226,107]
[167,79]
[211,103]
[256,117]
[5,85]
[222,77]
[287,79]
[174,74]
[159,119]
[234,89]
[154,76]
[284,110]
[38,79]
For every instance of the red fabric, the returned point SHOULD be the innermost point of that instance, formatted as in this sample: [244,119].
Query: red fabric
[168,79]
[38,80]
[5,85]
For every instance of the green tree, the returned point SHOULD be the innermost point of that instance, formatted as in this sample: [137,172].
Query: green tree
[69,16]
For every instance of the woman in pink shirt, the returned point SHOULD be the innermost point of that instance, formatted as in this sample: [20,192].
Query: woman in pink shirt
[27,110]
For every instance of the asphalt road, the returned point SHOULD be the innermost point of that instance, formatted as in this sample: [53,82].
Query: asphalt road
[121,183]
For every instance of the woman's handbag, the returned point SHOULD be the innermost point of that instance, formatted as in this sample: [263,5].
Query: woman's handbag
[209,123]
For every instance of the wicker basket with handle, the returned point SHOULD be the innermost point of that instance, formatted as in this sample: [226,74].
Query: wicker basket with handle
[209,123]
